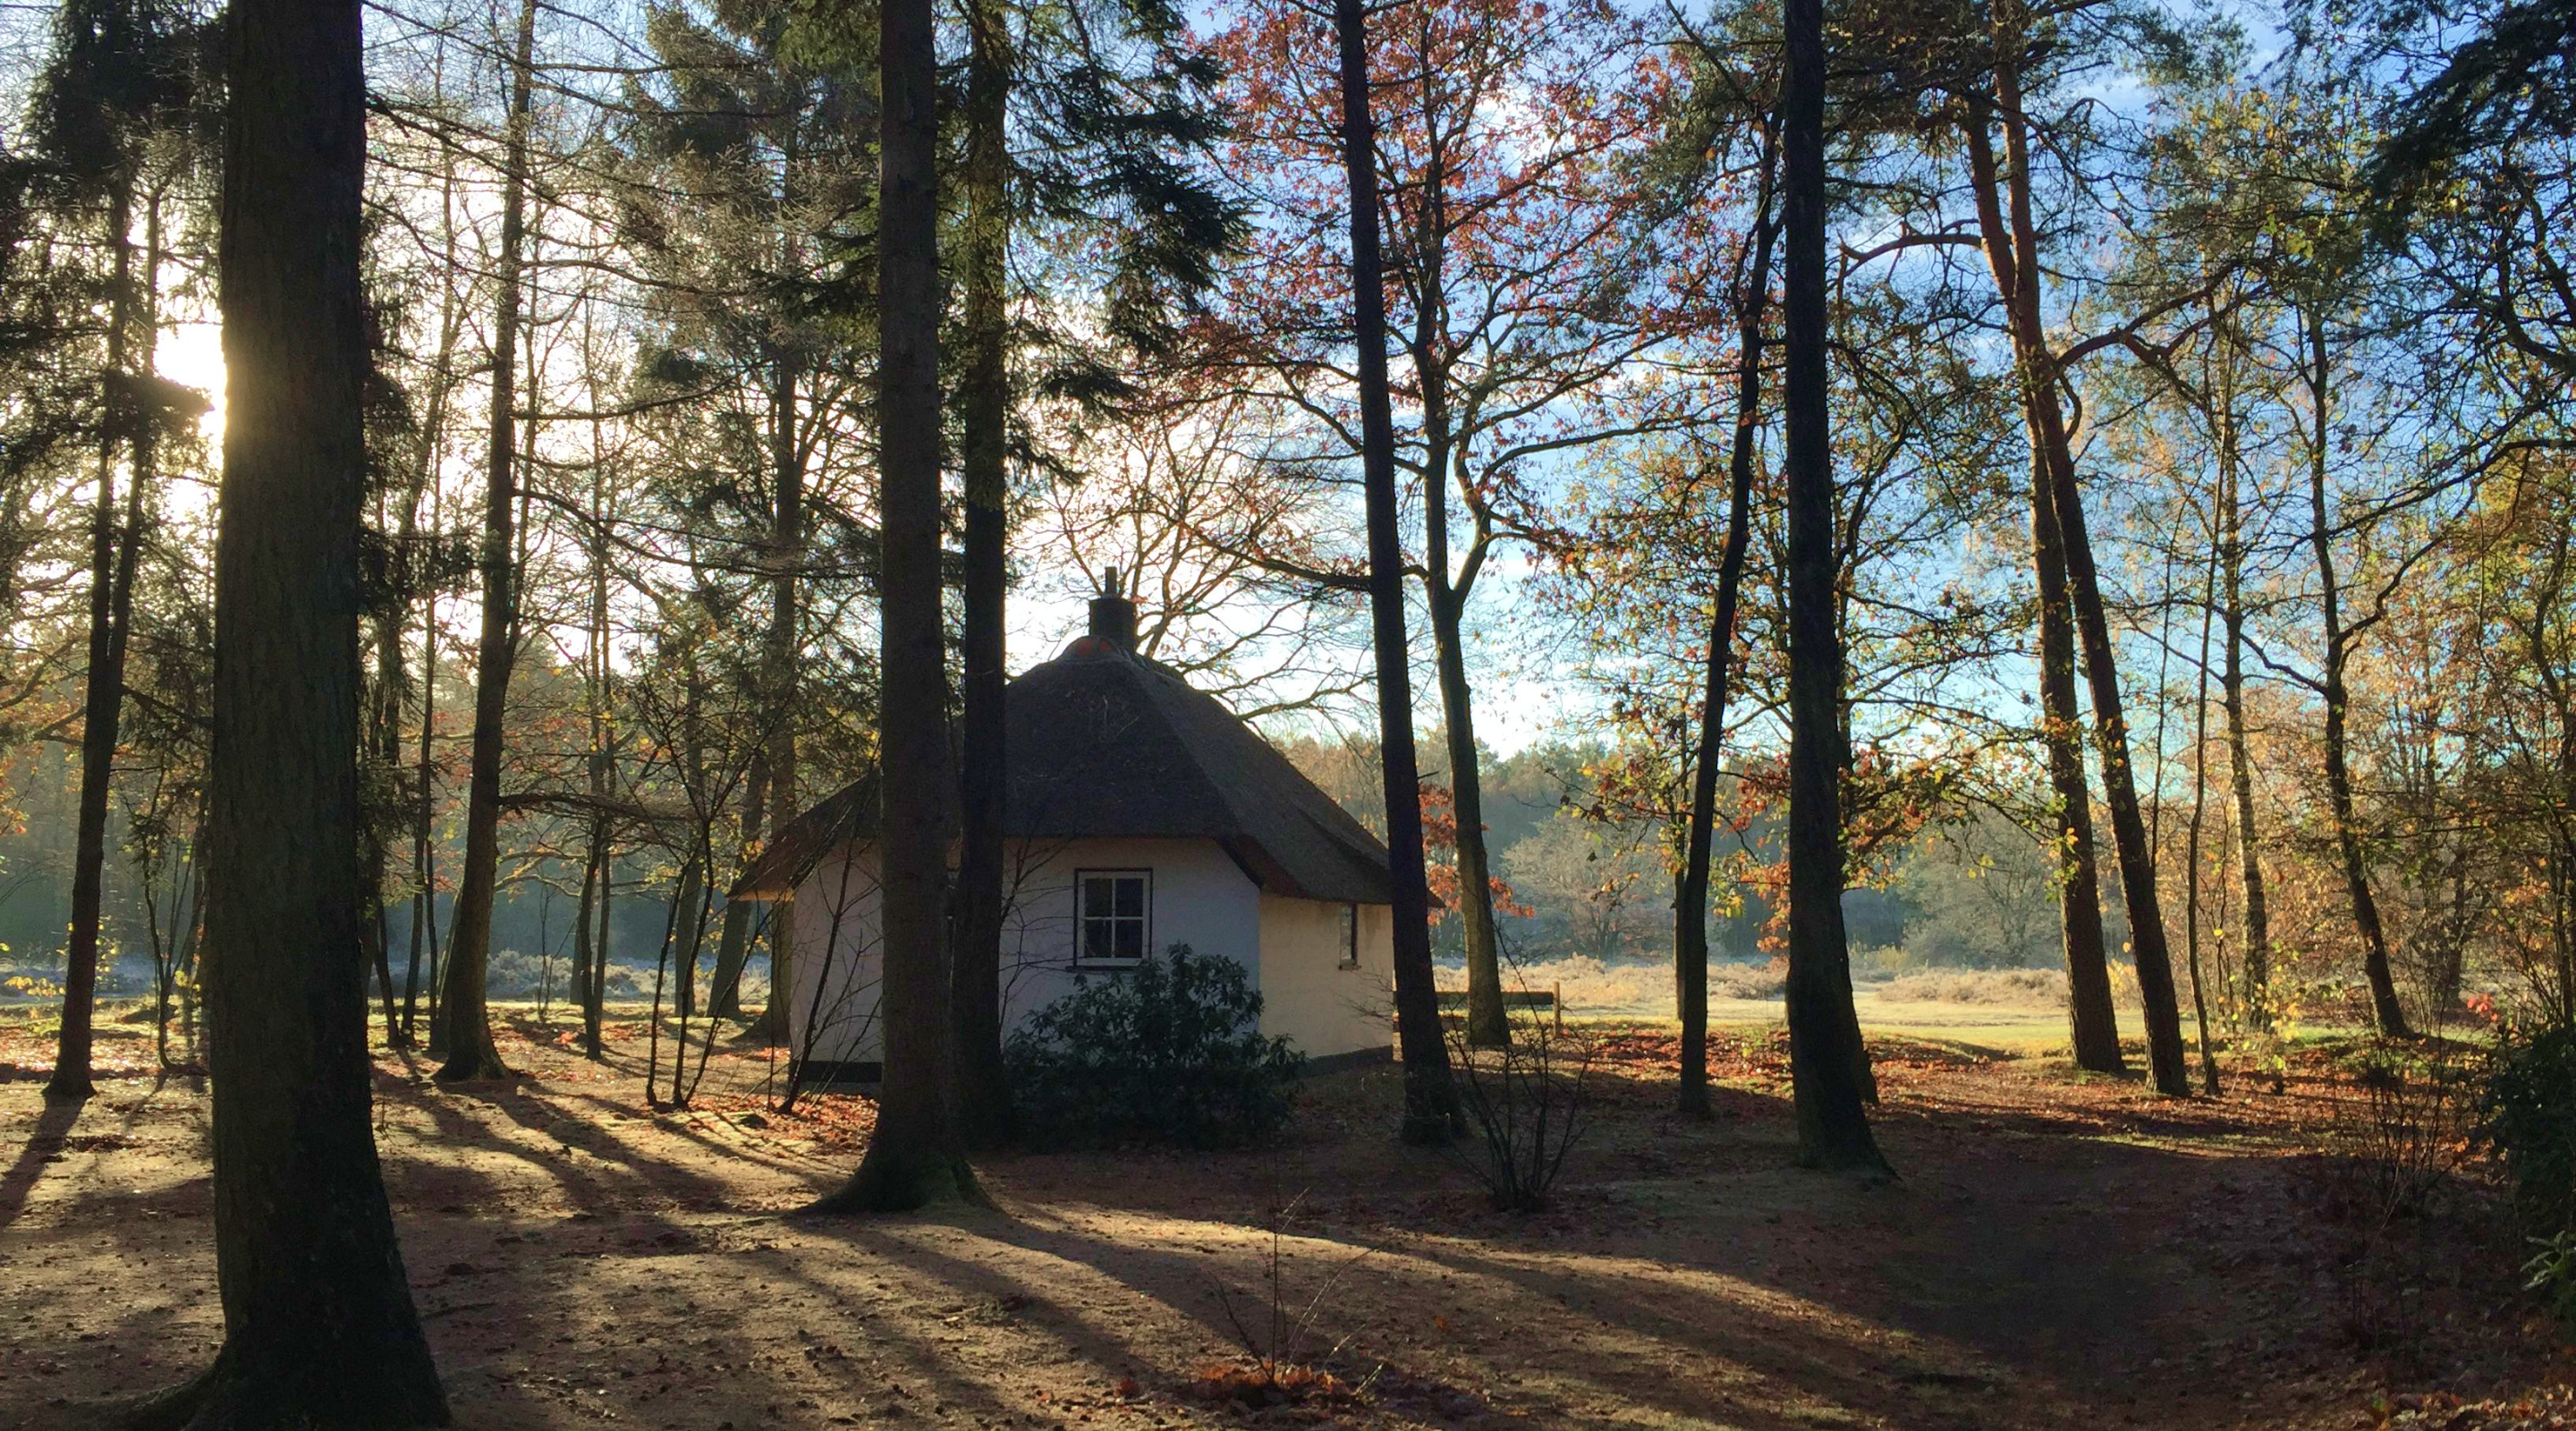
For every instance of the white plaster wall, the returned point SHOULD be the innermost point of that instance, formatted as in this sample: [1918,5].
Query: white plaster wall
[838,965]
[1306,996]
[1200,898]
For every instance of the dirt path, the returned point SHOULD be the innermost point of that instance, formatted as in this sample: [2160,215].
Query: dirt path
[2055,1255]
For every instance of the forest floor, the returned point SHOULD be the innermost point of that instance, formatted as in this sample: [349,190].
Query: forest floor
[2057,1252]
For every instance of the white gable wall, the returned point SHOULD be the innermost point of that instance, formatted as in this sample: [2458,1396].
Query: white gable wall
[1200,897]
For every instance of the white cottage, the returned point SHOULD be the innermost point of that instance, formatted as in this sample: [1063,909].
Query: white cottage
[1142,814]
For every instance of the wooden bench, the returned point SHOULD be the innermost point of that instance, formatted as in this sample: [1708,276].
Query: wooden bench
[1551,999]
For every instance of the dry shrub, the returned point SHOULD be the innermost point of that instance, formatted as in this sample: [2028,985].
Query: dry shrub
[2388,1169]
[1527,1105]
[1276,1332]
[1749,981]
[2399,1132]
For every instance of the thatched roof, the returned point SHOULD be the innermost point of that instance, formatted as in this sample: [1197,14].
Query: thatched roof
[1103,743]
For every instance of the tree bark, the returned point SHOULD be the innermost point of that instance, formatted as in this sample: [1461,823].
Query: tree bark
[471,1052]
[733,947]
[1690,900]
[319,1327]
[591,955]
[984,404]
[787,550]
[2092,1015]
[916,1156]
[584,919]
[1487,1025]
[2240,767]
[1430,1100]
[2385,1010]
[111,591]
[2012,248]
[2191,843]
[1827,1059]
[424,856]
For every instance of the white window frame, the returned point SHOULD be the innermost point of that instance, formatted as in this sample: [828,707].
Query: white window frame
[1082,917]
[1347,931]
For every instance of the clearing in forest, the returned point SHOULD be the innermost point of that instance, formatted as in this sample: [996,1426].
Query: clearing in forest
[2057,1253]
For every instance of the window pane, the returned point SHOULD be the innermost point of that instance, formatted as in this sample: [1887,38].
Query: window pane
[1131,938]
[1095,895]
[1096,940]
[1131,897]
[1350,933]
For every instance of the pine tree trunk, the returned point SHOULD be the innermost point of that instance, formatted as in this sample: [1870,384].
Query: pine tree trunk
[319,1327]
[584,921]
[1487,1025]
[1826,1057]
[2385,1010]
[112,556]
[984,407]
[916,1156]
[2013,250]
[2092,1015]
[595,1011]
[424,860]
[471,1052]
[1430,1100]
[787,550]
[2191,842]
[733,948]
[2240,766]
[1690,901]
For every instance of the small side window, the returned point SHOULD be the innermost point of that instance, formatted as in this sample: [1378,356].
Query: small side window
[1350,936]
[1110,922]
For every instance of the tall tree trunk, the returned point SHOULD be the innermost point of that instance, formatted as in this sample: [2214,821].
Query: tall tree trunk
[1827,1060]
[915,1157]
[2191,851]
[1690,900]
[687,918]
[442,387]
[470,1050]
[2390,1016]
[1487,1025]
[584,920]
[2092,1015]
[590,957]
[733,947]
[111,588]
[984,407]
[1445,588]
[319,1327]
[1430,1100]
[787,549]
[595,1012]
[2240,766]
[424,858]
[2012,248]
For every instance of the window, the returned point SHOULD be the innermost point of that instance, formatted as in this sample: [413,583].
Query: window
[1113,915]
[1350,936]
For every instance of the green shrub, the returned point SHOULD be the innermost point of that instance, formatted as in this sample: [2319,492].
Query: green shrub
[2552,1274]
[2529,1120]
[1169,1051]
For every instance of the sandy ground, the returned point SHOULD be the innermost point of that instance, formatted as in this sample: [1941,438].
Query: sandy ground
[2056,1253]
